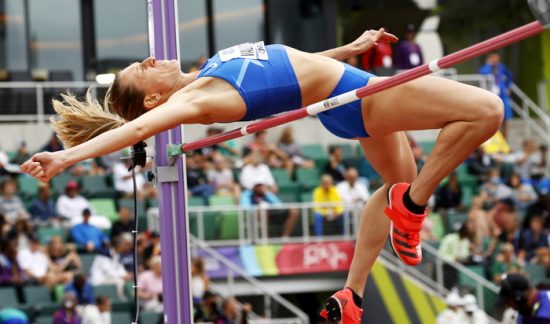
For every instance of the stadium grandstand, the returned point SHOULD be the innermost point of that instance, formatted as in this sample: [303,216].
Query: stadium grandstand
[272,216]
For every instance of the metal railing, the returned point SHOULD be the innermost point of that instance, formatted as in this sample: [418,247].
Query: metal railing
[542,93]
[270,313]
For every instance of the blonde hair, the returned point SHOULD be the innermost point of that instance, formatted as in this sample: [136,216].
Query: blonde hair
[79,121]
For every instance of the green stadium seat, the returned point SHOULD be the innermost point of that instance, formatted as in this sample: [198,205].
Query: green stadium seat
[454,220]
[467,197]
[306,197]
[308,178]
[195,201]
[227,222]
[40,299]
[536,272]
[11,155]
[288,197]
[315,152]
[96,186]
[87,260]
[59,182]
[469,181]
[466,280]
[58,292]
[285,184]
[43,320]
[129,203]
[121,317]
[221,201]
[105,207]
[347,149]
[427,146]
[107,290]
[8,297]
[45,234]
[28,186]
[149,318]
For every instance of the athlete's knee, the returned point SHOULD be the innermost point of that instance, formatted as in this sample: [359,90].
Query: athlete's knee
[491,112]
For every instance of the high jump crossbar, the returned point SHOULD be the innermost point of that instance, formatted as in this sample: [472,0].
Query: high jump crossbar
[445,62]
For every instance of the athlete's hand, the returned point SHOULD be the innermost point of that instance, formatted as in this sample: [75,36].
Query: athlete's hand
[43,166]
[371,38]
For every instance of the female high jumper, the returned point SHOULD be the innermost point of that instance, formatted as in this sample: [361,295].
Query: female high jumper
[252,81]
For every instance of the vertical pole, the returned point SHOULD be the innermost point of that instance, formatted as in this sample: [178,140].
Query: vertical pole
[210,27]
[174,232]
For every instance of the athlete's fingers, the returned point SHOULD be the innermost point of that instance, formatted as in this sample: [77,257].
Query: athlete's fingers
[32,167]
[37,172]
[389,38]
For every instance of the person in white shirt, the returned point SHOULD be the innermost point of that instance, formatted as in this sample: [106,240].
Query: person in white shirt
[351,190]
[109,269]
[220,177]
[98,313]
[454,313]
[123,179]
[71,205]
[474,315]
[36,265]
[257,172]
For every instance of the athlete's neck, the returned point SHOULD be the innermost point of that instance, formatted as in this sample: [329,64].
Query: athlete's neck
[183,80]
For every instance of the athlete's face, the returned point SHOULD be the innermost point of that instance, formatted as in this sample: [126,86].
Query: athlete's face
[152,76]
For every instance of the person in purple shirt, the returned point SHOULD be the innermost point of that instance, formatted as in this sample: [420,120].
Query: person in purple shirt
[67,314]
[533,305]
[11,274]
[408,53]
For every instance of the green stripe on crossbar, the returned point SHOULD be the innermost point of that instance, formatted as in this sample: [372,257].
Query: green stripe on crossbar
[174,150]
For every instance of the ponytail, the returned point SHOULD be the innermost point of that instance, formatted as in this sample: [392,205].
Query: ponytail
[79,121]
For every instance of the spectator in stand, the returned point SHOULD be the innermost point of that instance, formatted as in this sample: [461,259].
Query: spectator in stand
[226,149]
[336,167]
[474,315]
[505,262]
[21,232]
[260,196]
[11,274]
[62,259]
[495,189]
[532,239]
[379,59]
[123,182]
[408,53]
[454,314]
[124,224]
[540,207]
[36,265]
[523,194]
[271,155]
[11,205]
[4,161]
[82,289]
[150,287]
[200,283]
[456,246]
[417,150]
[326,193]
[87,237]
[526,161]
[98,313]
[502,82]
[71,205]
[151,249]
[480,220]
[449,195]
[53,145]
[351,190]
[43,208]
[221,178]
[231,313]
[108,269]
[293,150]
[541,170]
[4,227]
[542,257]
[67,314]
[480,164]
[197,184]
[208,310]
[21,155]
[257,172]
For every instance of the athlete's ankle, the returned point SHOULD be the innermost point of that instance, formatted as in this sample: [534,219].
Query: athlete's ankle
[357,300]
[411,205]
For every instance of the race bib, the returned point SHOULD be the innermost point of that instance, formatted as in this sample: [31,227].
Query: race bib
[414,58]
[387,61]
[256,51]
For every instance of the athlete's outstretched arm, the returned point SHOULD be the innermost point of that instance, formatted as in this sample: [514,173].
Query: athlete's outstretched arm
[176,111]
[367,40]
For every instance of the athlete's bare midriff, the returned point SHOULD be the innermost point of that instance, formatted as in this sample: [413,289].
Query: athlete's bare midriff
[317,76]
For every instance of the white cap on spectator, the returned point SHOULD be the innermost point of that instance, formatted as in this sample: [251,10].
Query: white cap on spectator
[470,303]
[454,299]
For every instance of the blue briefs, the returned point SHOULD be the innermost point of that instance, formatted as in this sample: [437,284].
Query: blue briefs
[347,121]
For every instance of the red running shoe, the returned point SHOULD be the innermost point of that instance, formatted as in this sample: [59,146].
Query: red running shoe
[405,226]
[340,308]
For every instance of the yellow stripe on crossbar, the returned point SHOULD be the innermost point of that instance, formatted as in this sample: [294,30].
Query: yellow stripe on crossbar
[420,301]
[389,294]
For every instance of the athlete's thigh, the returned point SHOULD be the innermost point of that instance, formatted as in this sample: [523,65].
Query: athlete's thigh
[425,103]
[391,156]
